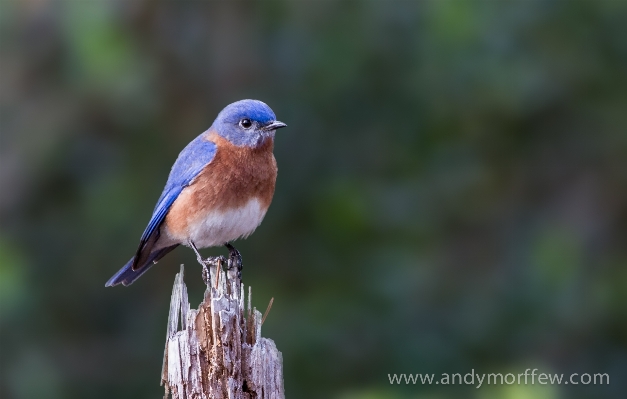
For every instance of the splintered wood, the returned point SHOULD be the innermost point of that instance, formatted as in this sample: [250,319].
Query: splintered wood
[219,351]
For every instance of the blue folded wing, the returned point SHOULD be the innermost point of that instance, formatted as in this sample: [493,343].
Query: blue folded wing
[190,162]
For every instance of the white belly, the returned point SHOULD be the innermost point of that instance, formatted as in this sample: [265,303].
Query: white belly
[217,228]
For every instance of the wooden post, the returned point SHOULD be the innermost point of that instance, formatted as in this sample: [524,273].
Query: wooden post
[219,352]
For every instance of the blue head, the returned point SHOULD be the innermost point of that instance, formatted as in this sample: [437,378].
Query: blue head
[247,123]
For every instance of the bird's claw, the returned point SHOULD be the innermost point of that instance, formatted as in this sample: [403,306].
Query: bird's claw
[235,260]
[216,261]
[206,276]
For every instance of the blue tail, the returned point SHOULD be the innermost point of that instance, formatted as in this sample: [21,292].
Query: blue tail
[127,275]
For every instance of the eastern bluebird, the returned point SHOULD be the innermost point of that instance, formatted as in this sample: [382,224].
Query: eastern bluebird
[219,189]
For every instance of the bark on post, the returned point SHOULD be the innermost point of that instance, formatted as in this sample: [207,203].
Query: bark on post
[219,351]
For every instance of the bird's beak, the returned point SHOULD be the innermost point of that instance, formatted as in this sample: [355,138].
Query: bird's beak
[274,125]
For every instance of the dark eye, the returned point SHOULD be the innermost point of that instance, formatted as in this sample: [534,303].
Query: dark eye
[245,123]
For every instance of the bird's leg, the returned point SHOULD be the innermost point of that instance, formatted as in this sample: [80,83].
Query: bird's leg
[198,257]
[205,272]
[216,261]
[235,259]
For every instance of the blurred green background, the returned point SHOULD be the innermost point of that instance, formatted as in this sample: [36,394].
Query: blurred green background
[452,190]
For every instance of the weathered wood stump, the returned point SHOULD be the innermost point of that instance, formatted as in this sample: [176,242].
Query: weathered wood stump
[219,351]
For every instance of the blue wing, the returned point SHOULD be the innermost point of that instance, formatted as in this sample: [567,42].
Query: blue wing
[189,163]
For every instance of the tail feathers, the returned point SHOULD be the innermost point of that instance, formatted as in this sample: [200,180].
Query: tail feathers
[126,275]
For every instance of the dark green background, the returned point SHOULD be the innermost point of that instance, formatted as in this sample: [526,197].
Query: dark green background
[452,190]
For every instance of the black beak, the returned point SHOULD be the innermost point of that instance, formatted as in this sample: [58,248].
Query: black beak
[274,125]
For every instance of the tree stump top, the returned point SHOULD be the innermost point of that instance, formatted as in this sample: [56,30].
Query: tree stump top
[218,351]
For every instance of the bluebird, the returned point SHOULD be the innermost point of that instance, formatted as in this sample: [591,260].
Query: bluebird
[218,190]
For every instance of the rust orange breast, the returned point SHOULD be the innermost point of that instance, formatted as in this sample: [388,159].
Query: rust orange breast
[229,181]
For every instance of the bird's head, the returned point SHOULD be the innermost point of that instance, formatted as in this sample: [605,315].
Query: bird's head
[247,123]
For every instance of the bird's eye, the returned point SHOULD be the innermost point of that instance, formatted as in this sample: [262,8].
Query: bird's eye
[245,123]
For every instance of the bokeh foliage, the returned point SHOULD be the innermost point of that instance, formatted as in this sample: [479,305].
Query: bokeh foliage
[452,189]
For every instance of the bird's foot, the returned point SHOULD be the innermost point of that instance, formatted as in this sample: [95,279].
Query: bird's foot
[206,276]
[216,261]
[235,260]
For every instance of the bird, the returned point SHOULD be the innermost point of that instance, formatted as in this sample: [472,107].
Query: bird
[219,189]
